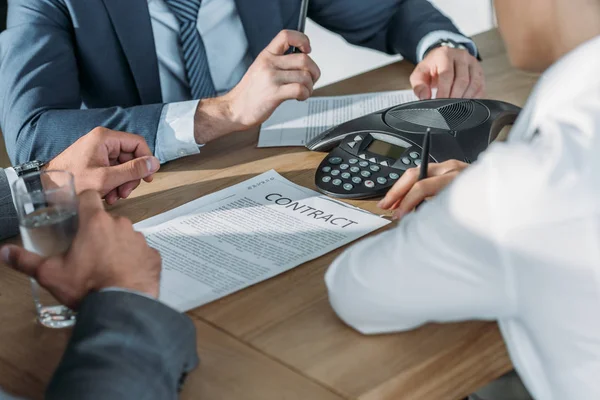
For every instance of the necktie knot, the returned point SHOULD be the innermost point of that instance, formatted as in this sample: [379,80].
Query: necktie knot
[185,10]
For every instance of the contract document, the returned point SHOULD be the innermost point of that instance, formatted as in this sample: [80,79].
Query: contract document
[295,123]
[252,231]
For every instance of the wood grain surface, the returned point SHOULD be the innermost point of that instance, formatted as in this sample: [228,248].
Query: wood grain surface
[280,339]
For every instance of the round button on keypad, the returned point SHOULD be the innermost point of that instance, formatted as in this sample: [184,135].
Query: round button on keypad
[354,170]
[344,167]
[405,160]
[337,182]
[394,176]
[375,168]
[326,179]
[346,175]
[366,174]
[326,169]
[370,184]
[381,180]
[417,162]
[335,160]
[335,172]
[352,161]
[414,155]
[348,186]
[363,164]
[356,180]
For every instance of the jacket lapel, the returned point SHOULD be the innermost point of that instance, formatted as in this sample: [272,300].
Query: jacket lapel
[262,21]
[131,21]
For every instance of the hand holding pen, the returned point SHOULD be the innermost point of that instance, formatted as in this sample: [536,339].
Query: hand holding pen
[418,184]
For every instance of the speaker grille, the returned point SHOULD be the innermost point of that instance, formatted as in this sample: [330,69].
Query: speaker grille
[457,113]
[448,117]
[421,116]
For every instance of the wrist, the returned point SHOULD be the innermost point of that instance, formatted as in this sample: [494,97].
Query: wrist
[215,118]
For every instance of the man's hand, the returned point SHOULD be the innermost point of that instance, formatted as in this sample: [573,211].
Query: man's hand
[273,78]
[110,162]
[409,192]
[106,253]
[454,72]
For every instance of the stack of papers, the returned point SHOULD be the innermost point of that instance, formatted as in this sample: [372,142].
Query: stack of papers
[249,232]
[296,123]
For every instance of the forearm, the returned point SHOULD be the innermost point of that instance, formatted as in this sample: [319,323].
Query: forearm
[215,118]
[44,135]
[125,346]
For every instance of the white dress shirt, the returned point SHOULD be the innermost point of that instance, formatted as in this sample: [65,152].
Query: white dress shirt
[228,57]
[516,238]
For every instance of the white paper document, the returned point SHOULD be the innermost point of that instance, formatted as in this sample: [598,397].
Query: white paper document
[249,232]
[295,123]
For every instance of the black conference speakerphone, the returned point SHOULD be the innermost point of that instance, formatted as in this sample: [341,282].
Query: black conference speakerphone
[368,161]
[369,154]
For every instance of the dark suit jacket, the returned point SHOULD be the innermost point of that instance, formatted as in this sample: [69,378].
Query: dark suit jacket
[9,224]
[124,347]
[58,55]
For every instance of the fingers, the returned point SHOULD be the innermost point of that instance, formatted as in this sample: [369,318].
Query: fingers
[286,39]
[420,81]
[125,189]
[400,188]
[396,194]
[422,190]
[445,77]
[134,170]
[21,259]
[295,91]
[122,142]
[112,197]
[462,77]
[89,204]
[301,77]
[476,88]
[298,62]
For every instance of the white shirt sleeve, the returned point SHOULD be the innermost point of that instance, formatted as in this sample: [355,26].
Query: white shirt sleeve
[432,37]
[443,262]
[175,135]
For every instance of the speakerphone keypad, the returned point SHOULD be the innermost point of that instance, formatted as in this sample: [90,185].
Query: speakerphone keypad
[349,173]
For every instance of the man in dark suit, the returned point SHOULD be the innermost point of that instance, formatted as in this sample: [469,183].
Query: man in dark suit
[184,72]
[125,344]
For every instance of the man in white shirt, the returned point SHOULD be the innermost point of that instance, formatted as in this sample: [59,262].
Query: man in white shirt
[516,236]
[142,66]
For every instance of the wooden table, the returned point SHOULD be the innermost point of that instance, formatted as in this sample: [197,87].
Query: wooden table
[280,339]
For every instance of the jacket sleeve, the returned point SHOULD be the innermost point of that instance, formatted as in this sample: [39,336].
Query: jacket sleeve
[391,26]
[40,98]
[125,346]
[9,225]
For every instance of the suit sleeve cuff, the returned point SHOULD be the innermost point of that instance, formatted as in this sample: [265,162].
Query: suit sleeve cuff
[432,37]
[175,134]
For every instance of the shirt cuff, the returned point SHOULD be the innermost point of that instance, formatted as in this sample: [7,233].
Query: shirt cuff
[432,37]
[118,289]
[11,177]
[175,135]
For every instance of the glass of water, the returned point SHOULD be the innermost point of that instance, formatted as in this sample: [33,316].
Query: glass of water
[47,207]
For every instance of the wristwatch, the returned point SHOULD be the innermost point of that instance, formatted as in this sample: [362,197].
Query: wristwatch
[28,167]
[453,44]
[32,183]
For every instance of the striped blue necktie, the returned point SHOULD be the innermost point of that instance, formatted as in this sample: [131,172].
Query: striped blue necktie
[192,47]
